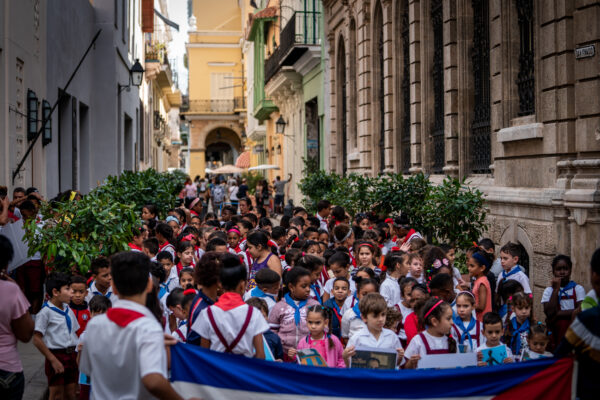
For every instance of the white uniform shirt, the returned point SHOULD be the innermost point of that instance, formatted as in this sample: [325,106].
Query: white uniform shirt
[322,223]
[420,279]
[519,277]
[390,290]
[230,324]
[416,345]
[348,304]
[94,291]
[457,334]
[565,304]
[268,299]
[117,358]
[53,326]
[405,311]
[328,287]
[173,279]
[387,339]
[351,324]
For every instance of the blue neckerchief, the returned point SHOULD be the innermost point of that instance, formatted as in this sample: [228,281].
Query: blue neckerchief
[356,310]
[164,289]
[515,342]
[335,306]
[64,313]
[563,291]
[182,323]
[107,295]
[514,270]
[314,288]
[503,310]
[464,332]
[291,303]
[257,292]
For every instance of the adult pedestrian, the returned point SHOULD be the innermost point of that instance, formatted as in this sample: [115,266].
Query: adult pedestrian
[233,195]
[190,189]
[280,193]
[218,196]
[242,189]
[15,324]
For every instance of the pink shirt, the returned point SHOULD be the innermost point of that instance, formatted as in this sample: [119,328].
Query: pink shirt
[14,306]
[482,280]
[332,355]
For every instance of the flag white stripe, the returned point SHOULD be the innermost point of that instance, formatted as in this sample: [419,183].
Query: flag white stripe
[189,389]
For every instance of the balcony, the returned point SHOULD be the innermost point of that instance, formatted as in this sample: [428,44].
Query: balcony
[302,32]
[212,106]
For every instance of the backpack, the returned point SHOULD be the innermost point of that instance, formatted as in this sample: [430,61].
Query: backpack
[218,194]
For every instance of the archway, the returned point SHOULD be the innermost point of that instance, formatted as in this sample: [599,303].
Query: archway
[222,146]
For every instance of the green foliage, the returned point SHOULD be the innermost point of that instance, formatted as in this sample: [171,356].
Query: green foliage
[450,212]
[252,180]
[75,232]
[144,187]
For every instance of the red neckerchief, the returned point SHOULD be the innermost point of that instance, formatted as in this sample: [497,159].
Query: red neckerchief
[229,301]
[134,247]
[122,316]
[194,213]
[161,247]
[408,235]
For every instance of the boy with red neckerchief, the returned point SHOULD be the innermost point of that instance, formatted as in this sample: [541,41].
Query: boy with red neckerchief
[124,352]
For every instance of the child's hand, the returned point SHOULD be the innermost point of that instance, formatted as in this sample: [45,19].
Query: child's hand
[479,356]
[507,360]
[464,286]
[412,362]
[292,353]
[169,340]
[405,247]
[556,283]
[57,366]
[349,351]
[481,364]
[79,347]
[400,352]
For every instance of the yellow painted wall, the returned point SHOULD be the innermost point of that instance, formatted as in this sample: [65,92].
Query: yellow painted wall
[222,15]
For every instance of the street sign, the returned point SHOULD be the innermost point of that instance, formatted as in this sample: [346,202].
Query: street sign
[585,51]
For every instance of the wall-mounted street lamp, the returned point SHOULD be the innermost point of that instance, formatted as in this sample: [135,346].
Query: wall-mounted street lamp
[136,74]
[32,114]
[280,125]
[46,122]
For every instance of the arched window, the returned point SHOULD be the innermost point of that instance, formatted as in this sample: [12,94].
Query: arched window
[526,77]
[378,81]
[342,123]
[480,128]
[437,134]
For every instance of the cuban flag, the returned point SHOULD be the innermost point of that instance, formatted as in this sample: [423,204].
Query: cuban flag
[198,372]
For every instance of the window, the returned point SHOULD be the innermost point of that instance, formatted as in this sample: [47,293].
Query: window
[437,23]
[342,123]
[379,78]
[405,88]
[526,77]
[480,127]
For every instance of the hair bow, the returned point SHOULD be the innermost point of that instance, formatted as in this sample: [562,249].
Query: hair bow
[188,238]
[438,263]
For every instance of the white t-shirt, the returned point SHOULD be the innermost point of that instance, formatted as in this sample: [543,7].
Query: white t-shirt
[54,328]
[230,324]
[328,287]
[116,358]
[390,290]
[364,338]
[519,277]
[92,291]
[565,303]
[416,345]
[351,324]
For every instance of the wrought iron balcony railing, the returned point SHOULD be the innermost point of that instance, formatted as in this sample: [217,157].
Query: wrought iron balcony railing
[303,30]
[237,104]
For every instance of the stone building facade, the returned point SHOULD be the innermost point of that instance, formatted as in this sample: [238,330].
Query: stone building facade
[503,92]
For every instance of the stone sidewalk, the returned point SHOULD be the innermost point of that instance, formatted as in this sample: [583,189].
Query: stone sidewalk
[36,386]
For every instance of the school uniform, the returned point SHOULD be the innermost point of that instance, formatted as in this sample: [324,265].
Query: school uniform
[58,328]
[199,304]
[352,322]
[231,325]
[267,297]
[172,281]
[181,332]
[350,302]
[405,311]
[568,296]
[364,338]
[328,287]
[121,347]
[420,279]
[316,292]
[82,313]
[135,248]
[93,290]
[336,317]
[469,334]
[166,246]
[425,344]
[288,320]
[515,274]
[390,290]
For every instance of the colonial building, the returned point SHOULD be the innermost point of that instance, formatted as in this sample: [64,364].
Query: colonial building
[503,92]
[216,79]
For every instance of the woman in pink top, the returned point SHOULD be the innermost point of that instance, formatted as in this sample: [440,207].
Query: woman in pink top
[328,345]
[479,264]
[15,323]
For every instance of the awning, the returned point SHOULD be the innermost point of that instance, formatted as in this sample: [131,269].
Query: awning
[243,161]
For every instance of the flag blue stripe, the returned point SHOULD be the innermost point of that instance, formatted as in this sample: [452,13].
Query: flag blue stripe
[191,363]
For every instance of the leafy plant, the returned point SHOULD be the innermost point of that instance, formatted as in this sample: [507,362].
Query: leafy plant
[144,187]
[75,232]
[252,180]
[320,185]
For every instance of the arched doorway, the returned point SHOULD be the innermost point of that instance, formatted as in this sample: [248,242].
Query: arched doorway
[222,147]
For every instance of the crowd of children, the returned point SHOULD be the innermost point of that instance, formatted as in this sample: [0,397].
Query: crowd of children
[330,282]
